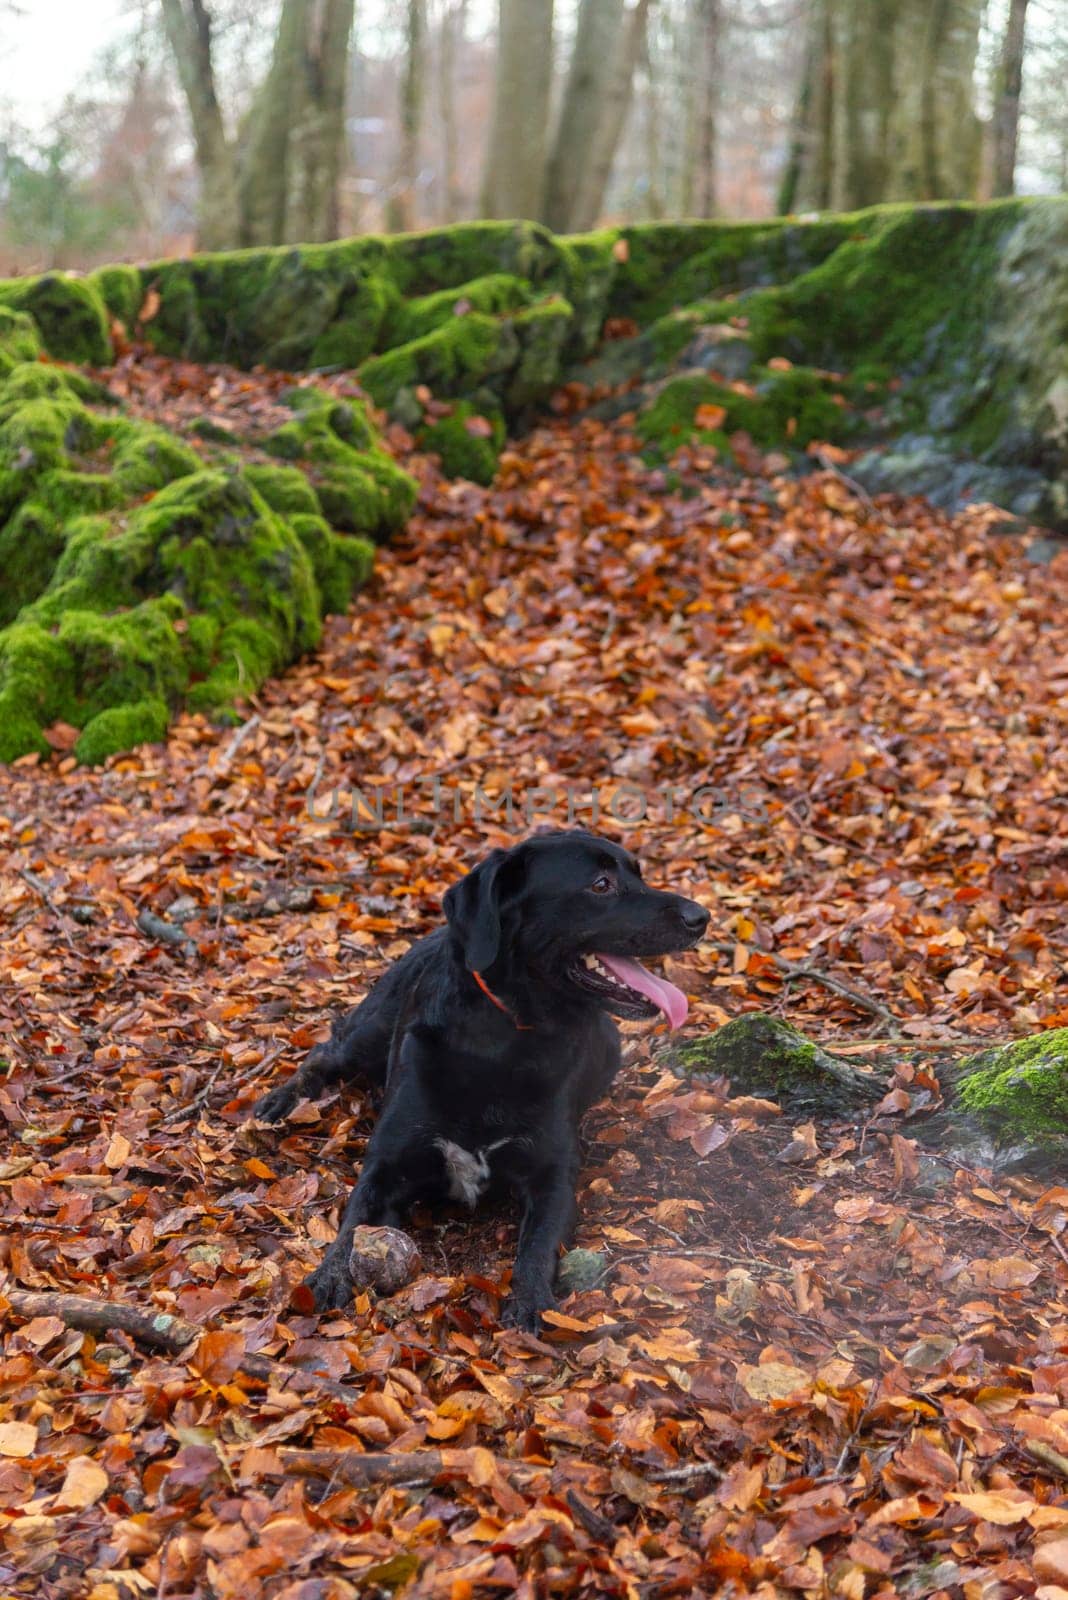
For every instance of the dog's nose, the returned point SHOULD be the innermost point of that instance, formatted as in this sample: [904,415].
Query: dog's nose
[694,917]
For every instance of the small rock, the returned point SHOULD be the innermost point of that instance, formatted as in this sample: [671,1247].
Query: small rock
[581,1269]
[383,1258]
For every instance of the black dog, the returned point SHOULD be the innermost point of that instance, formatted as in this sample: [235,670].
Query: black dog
[492,1036]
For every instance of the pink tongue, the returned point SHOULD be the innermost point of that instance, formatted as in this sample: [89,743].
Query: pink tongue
[672,1002]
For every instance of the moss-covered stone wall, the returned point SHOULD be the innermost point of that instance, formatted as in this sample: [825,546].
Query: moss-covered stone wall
[207,576]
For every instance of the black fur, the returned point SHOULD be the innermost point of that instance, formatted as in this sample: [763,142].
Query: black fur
[473,1092]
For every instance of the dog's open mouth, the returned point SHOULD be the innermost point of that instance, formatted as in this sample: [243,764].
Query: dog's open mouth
[627,989]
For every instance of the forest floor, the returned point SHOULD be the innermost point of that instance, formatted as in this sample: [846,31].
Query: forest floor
[811,1366]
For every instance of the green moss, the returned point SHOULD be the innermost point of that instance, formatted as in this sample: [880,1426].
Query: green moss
[121,290]
[341,563]
[762,1055]
[36,685]
[285,489]
[1019,1090]
[18,339]
[467,443]
[359,488]
[495,293]
[453,359]
[122,728]
[542,332]
[422,263]
[69,313]
[790,408]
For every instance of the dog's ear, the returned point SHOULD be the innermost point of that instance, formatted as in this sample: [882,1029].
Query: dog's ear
[473,912]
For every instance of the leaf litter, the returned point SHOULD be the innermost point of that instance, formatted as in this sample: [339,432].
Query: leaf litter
[811,1363]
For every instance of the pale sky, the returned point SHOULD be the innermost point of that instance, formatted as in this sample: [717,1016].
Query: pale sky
[47,48]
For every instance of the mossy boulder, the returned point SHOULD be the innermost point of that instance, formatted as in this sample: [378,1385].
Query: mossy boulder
[121,290]
[19,340]
[1018,1092]
[776,408]
[69,313]
[492,294]
[762,1055]
[137,579]
[467,443]
[358,487]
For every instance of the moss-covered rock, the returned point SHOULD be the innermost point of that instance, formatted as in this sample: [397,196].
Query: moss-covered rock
[762,1055]
[789,407]
[495,293]
[467,443]
[121,290]
[1019,1091]
[135,579]
[122,728]
[18,339]
[359,488]
[69,313]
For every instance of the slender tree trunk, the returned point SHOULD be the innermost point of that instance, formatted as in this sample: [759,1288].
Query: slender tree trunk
[451,42]
[265,143]
[886,109]
[400,211]
[1007,99]
[279,179]
[317,142]
[709,22]
[515,163]
[589,72]
[188,28]
[630,41]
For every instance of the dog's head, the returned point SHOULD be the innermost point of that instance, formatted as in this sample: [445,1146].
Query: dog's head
[570,910]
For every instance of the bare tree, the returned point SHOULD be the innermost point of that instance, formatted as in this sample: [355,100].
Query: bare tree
[400,212]
[886,110]
[451,34]
[592,63]
[514,182]
[276,178]
[1007,99]
[597,167]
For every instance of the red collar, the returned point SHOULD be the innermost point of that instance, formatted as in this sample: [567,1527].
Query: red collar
[524,1027]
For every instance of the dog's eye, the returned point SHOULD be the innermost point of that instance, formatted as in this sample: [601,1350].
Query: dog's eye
[603,884]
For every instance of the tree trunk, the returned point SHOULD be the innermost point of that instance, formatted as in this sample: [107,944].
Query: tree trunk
[630,42]
[886,108]
[515,162]
[279,179]
[453,30]
[265,152]
[589,73]
[317,140]
[708,34]
[400,212]
[1007,99]
[188,28]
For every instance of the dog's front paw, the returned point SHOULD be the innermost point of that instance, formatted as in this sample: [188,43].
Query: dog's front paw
[278,1102]
[331,1284]
[525,1310]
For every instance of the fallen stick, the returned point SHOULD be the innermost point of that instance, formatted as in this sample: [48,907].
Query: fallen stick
[164,932]
[159,1330]
[40,888]
[801,969]
[359,1470]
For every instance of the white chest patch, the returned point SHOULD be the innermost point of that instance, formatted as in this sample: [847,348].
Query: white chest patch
[468,1170]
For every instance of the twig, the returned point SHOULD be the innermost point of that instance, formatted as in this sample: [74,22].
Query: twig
[799,969]
[1045,1453]
[163,932]
[159,1330]
[42,889]
[361,1470]
[596,1526]
[246,730]
[851,483]
[690,1474]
